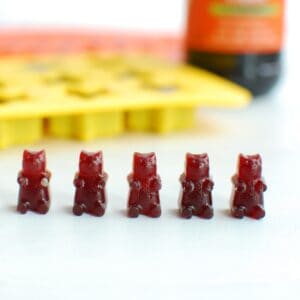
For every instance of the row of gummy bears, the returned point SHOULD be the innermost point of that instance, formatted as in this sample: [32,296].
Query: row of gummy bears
[144,186]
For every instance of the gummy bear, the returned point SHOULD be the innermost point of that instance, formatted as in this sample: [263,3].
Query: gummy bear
[90,195]
[249,186]
[196,194]
[144,187]
[34,183]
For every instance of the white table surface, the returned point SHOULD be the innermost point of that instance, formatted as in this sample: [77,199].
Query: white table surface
[60,256]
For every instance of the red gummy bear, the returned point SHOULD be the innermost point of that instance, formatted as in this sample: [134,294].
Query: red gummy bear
[197,186]
[90,196]
[144,187]
[34,183]
[249,186]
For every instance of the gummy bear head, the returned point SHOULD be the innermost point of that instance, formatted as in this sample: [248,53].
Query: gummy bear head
[144,165]
[90,163]
[249,167]
[34,162]
[197,166]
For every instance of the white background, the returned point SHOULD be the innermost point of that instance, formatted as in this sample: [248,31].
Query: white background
[60,256]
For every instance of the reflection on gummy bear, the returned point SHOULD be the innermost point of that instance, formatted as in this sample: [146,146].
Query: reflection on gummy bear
[34,183]
[90,196]
[144,187]
[197,186]
[249,186]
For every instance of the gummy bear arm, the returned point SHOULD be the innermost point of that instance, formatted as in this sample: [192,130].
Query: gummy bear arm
[155,183]
[104,176]
[130,178]
[47,175]
[158,179]
[260,185]
[22,180]
[20,176]
[207,184]
[134,183]
[264,183]
[188,186]
[75,177]
[102,179]
[235,179]
[45,182]
[182,178]
[239,184]
[78,182]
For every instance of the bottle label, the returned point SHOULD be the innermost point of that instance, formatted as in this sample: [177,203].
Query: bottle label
[235,26]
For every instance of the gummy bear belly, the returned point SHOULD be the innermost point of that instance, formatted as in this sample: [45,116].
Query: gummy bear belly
[248,199]
[32,194]
[148,200]
[88,197]
[195,199]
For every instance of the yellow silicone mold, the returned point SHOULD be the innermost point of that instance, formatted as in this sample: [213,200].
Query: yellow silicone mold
[161,120]
[20,131]
[90,96]
[88,126]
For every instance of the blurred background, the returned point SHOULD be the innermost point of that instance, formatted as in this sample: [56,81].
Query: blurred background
[133,15]
[60,256]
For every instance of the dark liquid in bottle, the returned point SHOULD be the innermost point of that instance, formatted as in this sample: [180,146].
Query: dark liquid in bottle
[258,73]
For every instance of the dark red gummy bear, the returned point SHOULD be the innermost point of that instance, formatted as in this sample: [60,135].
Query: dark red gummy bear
[34,183]
[249,186]
[90,196]
[197,186]
[144,187]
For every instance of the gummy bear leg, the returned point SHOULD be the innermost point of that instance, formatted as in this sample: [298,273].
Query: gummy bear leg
[23,207]
[155,212]
[78,209]
[206,212]
[257,212]
[133,211]
[238,212]
[98,210]
[186,212]
[42,207]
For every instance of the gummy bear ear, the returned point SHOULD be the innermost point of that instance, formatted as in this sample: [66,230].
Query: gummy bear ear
[138,160]
[138,155]
[143,159]
[241,161]
[143,156]
[203,156]
[151,156]
[83,155]
[189,156]
[26,154]
[41,154]
[242,158]
[190,159]
[256,157]
[98,156]
[88,156]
